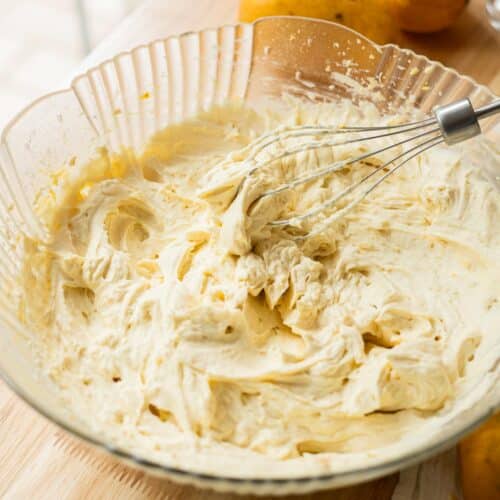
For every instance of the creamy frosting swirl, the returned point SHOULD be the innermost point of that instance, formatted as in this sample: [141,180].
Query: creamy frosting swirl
[177,323]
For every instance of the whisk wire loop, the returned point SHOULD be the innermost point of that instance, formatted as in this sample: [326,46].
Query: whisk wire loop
[450,124]
[420,148]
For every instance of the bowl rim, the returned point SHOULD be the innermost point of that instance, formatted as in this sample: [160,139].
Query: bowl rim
[17,116]
[371,472]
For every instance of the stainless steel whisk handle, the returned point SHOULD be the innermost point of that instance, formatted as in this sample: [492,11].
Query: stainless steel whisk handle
[459,121]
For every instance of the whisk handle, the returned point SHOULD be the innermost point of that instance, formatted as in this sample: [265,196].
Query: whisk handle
[489,110]
[458,121]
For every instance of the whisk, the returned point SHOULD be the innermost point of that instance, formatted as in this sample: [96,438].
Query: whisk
[450,124]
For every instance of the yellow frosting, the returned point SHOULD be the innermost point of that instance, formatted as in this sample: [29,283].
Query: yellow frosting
[179,324]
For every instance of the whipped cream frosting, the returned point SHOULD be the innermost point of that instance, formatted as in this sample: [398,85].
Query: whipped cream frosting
[178,324]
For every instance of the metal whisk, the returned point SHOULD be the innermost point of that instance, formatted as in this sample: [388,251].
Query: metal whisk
[450,124]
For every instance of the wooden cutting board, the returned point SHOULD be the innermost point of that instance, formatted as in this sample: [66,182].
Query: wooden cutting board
[38,460]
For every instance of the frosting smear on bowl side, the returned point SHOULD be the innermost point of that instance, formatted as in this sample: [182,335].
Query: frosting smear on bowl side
[179,325]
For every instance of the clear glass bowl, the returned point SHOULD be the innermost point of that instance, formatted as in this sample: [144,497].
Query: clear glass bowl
[125,100]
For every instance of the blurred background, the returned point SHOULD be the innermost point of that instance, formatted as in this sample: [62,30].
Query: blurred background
[42,41]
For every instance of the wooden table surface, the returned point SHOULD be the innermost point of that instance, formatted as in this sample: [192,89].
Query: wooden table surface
[37,460]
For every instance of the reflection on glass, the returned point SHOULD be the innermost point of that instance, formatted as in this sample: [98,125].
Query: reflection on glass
[493,10]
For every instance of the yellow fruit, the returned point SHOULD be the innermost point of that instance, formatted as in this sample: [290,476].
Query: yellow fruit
[372,18]
[425,16]
[480,462]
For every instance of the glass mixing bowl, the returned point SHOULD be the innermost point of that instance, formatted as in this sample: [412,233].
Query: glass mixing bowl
[125,100]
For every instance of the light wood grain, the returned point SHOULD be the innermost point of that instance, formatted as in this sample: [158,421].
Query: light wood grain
[40,461]
[37,460]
